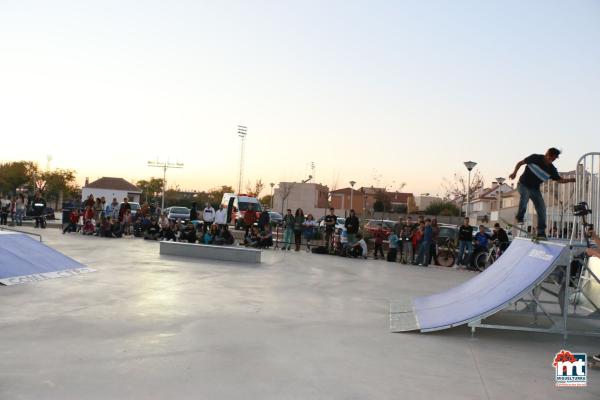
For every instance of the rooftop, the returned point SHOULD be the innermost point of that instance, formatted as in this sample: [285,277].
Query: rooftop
[114,184]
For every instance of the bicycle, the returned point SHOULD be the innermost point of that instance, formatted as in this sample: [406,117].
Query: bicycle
[446,255]
[486,258]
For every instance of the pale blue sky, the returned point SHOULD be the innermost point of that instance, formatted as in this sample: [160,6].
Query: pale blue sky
[410,89]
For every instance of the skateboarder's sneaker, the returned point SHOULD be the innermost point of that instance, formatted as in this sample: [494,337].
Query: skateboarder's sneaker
[541,237]
[596,357]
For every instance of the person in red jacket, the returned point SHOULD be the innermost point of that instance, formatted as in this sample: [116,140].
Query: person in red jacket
[379,236]
[250,218]
[418,236]
[73,221]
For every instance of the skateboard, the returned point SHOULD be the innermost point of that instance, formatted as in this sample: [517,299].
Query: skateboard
[534,239]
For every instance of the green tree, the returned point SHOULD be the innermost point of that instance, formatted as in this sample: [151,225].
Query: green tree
[382,202]
[58,184]
[215,195]
[16,174]
[151,188]
[442,207]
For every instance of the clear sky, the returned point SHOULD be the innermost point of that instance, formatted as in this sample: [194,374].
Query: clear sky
[388,91]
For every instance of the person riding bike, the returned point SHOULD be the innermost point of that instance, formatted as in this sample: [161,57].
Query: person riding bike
[501,236]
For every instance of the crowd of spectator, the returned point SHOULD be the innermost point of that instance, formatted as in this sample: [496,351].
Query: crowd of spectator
[117,220]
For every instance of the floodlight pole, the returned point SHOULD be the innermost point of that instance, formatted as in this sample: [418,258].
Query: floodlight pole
[164,166]
[242,132]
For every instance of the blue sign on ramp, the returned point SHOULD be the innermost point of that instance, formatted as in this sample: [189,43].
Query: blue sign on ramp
[23,259]
[521,268]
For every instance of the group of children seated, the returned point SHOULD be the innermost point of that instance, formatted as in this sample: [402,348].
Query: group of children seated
[147,226]
[259,238]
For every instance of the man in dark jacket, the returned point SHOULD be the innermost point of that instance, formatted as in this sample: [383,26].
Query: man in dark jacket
[352,225]
[501,236]
[194,212]
[465,242]
[38,205]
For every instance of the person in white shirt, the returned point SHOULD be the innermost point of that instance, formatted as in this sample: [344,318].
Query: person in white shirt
[221,216]
[208,216]
[359,249]
[309,226]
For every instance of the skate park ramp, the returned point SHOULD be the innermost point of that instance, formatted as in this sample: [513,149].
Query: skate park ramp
[24,259]
[523,266]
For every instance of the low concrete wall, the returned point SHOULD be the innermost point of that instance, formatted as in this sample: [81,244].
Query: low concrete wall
[223,253]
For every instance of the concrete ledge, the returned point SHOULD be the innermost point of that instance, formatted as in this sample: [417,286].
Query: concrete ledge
[223,253]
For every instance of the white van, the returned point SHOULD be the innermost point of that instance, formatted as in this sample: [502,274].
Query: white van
[236,207]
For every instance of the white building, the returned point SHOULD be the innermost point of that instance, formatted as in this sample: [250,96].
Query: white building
[310,197]
[110,188]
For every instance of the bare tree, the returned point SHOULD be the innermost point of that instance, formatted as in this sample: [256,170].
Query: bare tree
[255,191]
[457,186]
[285,189]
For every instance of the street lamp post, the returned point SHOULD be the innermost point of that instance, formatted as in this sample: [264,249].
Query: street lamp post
[470,165]
[500,181]
[271,184]
[352,183]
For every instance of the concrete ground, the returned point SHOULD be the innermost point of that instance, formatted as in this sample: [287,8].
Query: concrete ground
[297,326]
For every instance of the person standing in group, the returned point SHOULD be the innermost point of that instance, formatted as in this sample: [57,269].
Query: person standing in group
[298,225]
[288,225]
[20,206]
[465,243]
[98,209]
[539,170]
[250,218]
[378,236]
[208,216]
[330,222]
[309,227]
[112,210]
[38,206]
[352,225]
[425,245]
[221,216]
[393,249]
[406,236]
[435,231]
[124,207]
[194,212]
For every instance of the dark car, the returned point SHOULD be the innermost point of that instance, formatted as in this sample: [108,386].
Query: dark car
[275,218]
[447,231]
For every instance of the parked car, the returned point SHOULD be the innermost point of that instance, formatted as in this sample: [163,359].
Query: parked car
[275,218]
[175,213]
[388,226]
[447,231]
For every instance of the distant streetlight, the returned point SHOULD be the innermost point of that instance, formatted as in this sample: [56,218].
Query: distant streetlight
[352,183]
[470,165]
[500,182]
[164,166]
[271,184]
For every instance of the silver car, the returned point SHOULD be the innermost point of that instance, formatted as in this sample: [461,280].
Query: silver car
[178,213]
